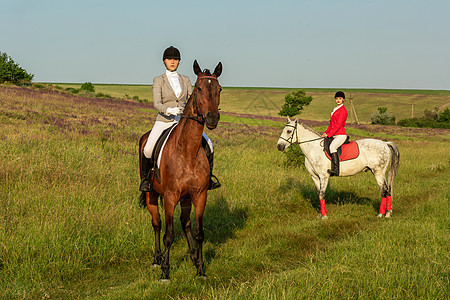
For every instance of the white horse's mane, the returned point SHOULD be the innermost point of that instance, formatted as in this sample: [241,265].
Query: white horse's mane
[308,128]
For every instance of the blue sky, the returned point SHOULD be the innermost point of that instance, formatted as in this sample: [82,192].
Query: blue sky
[299,43]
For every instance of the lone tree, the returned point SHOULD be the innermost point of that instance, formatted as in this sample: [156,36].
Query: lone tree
[293,106]
[12,72]
[87,86]
[294,103]
[382,117]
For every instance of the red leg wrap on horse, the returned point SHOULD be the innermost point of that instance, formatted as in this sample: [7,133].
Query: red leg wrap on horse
[388,203]
[383,206]
[323,209]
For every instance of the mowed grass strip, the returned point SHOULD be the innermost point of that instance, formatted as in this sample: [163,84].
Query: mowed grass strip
[70,225]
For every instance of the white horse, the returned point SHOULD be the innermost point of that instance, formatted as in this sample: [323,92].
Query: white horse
[375,155]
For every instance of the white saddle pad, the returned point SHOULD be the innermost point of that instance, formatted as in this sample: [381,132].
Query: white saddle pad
[164,144]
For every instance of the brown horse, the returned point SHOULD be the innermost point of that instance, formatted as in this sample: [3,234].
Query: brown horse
[185,171]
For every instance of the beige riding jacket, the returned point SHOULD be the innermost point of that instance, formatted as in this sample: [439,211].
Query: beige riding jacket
[164,96]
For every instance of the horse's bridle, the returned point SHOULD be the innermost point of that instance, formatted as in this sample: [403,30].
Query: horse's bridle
[291,138]
[200,117]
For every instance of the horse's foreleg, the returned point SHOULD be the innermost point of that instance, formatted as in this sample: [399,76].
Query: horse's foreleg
[169,207]
[152,206]
[321,186]
[385,197]
[185,219]
[322,189]
[199,203]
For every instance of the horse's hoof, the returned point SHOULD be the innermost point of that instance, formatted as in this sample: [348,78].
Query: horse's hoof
[388,214]
[325,217]
[380,215]
[156,266]
[164,280]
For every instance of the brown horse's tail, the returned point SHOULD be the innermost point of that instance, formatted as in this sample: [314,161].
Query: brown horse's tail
[395,162]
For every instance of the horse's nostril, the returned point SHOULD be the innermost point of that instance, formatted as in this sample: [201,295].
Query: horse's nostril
[213,118]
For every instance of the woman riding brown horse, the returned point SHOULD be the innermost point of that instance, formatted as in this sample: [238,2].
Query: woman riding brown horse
[185,171]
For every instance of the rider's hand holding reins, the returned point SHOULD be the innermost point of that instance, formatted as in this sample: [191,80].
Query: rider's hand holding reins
[173,111]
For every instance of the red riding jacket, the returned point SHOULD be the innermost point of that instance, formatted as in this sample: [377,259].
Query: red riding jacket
[337,122]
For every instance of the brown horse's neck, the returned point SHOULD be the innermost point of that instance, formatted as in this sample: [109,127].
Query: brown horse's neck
[190,132]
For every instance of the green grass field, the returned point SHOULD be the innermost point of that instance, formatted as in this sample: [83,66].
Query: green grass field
[71,227]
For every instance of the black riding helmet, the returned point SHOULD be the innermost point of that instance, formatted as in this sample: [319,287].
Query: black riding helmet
[339,94]
[171,53]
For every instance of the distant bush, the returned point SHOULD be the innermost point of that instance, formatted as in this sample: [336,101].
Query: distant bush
[72,90]
[294,157]
[12,72]
[431,114]
[431,119]
[101,95]
[444,117]
[382,117]
[88,87]
[38,86]
[294,102]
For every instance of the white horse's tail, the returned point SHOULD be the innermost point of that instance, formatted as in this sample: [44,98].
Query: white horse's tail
[395,161]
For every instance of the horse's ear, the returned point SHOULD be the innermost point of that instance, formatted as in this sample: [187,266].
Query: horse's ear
[197,69]
[218,69]
[288,120]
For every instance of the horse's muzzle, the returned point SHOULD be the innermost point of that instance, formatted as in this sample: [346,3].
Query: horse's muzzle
[281,147]
[212,119]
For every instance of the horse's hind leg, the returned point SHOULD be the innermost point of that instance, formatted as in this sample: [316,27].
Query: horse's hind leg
[152,206]
[384,190]
[185,218]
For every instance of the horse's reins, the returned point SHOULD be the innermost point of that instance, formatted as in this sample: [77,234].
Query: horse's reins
[200,118]
[291,138]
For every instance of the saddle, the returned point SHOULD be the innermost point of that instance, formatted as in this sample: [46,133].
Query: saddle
[348,150]
[160,142]
[159,146]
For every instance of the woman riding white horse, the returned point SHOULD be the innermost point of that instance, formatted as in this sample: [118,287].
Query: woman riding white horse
[374,155]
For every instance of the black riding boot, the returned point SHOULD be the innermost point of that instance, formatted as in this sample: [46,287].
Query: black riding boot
[146,165]
[334,171]
[213,184]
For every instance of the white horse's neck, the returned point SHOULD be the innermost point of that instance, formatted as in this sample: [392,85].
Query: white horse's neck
[309,139]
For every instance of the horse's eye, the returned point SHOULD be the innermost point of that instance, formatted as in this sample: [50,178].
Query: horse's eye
[220,89]
[199,89]
[289,131]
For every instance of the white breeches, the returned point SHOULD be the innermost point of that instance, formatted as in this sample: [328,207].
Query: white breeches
[157,129]
[337,142]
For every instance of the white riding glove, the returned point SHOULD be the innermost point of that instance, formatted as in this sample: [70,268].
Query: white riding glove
[173,111]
